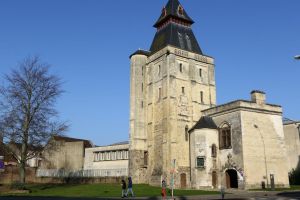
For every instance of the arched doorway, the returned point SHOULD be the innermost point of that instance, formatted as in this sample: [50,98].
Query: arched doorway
[214,179]
[231,178]
[183,180]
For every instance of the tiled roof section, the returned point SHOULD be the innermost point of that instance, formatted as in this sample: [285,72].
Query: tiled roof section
[171,10]
[204,122]
[287,121]
[175,35]
[141,52]
[120,143]
[87,143]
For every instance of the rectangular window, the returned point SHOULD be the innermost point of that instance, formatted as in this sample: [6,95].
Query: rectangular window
[225,138]
[200,72]
[213,151]
[200,162]
[180,67]
[182,90]
[142,104]
[142,87]
[201,97]
[145,158]
[159,69]
[159,93]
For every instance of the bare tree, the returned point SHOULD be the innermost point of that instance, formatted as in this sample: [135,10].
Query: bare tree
[27,113]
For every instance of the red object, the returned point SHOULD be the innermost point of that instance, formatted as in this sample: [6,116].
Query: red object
[163,192]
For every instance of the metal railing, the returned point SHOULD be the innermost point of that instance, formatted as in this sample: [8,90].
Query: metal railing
[61,173]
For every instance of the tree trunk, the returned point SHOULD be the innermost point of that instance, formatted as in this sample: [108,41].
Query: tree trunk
[22,172]
[23,162]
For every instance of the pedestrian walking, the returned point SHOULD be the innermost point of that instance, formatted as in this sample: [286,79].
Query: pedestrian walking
[123,188]
[222,192]
[129,187]
[163,189]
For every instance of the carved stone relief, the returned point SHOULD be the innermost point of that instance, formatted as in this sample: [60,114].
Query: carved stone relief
[183,105]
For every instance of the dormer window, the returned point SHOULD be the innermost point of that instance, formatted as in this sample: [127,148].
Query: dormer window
[164,12]
[180,10]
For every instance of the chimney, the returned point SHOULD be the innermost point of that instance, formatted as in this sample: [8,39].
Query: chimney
[258,97]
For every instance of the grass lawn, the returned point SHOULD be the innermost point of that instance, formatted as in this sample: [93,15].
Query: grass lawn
[104,190]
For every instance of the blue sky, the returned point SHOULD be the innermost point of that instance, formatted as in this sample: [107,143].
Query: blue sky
[88,43]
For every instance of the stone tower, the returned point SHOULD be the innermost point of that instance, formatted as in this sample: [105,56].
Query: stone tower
[169,87]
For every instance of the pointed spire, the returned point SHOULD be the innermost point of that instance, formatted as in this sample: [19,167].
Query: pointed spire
[173,10]
[174,29]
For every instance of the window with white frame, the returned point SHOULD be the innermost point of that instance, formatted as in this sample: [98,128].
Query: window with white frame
[111,155]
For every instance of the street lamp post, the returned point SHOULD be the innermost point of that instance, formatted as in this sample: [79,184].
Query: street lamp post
[262,139]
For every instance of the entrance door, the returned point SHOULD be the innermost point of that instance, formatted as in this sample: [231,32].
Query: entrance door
[214,179]
[183,180]
[231,178]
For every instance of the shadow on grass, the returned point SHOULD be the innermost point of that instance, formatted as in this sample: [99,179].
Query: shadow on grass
[290,194]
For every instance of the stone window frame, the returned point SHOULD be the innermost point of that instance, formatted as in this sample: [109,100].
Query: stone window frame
[201,166]
[225,136]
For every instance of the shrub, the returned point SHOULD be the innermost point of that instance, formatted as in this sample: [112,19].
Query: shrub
[17,186]
[294,176]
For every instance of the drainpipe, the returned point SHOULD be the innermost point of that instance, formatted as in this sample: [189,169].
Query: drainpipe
[190,158]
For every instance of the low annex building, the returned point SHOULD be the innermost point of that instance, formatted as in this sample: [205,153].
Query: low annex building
[111,160]
[292,137]
[63,154]
[240,144]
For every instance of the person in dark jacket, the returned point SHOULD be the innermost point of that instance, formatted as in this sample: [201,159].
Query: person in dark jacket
[123,188]
[130,187]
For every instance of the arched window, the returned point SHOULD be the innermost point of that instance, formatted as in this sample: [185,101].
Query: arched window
[213,151]
[225,136]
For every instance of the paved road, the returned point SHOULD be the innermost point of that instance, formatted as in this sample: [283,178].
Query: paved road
[236,196]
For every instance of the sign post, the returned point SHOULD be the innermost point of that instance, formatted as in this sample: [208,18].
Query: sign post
[173,170]
[1,164]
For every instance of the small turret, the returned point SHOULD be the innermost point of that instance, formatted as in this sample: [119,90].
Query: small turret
[258,97]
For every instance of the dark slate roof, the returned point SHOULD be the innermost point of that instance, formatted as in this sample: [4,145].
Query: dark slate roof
[204,122]
[87,143]
[171,10]
[175,35]
[257,91]
[140,52]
